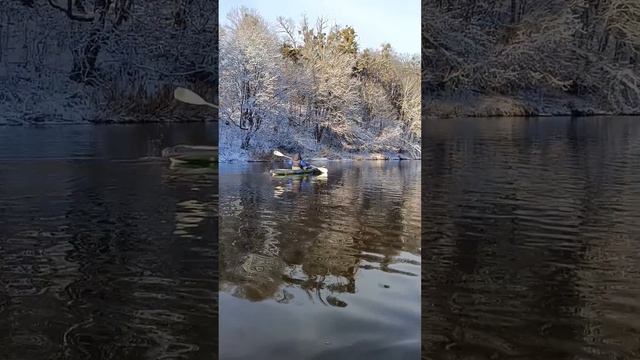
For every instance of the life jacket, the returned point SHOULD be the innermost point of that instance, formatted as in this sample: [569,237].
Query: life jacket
[296,160]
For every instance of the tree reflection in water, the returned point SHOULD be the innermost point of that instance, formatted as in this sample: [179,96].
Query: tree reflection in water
[316,233]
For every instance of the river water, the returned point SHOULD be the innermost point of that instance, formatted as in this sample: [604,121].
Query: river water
[531,245]
[106,252]
[320,268]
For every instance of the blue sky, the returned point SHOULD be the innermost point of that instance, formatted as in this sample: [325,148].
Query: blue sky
[375,21]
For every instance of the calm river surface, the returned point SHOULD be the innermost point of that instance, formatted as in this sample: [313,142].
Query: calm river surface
[320,268]
[531,239]
[105,253]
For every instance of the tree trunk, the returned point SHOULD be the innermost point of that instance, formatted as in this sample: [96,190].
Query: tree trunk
[319,131]
[604,42]
[84,64]
[179,20]
[617,54]
[246,140]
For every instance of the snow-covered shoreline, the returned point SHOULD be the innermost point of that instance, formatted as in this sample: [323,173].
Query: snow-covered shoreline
[235,156]
[47,75]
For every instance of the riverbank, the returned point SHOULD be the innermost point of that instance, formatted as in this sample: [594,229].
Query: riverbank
[483,105]
[90,116]
[239,156]
[77,105]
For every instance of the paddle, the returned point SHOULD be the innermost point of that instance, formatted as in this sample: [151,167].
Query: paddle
[189,97]
[322,169]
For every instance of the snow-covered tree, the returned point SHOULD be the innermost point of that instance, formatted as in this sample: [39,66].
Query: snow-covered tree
[297,86]
[565,48]
[78,60]
[250,69]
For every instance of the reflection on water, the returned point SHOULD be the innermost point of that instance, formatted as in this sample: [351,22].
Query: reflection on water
[106,256]
[531,239]
[320,267]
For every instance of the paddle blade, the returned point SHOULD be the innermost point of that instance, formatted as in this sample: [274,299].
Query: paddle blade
[324,170]
[277,153]
[189,97]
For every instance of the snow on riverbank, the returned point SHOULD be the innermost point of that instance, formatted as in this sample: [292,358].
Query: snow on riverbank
[289,141]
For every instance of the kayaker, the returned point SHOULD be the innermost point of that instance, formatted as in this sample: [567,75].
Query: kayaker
[297,163]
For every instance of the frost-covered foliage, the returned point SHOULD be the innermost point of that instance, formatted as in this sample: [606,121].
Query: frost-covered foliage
[250,67]
[105,59]
[301,87]
[585,48]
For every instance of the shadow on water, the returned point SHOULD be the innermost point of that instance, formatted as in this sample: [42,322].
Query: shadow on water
[530,239]
[109,256]
[320,267]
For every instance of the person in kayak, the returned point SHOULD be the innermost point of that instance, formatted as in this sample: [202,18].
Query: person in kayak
[297,163]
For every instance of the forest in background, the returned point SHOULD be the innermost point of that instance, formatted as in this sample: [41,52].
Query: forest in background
[105,60]
[302,86]
[526,57]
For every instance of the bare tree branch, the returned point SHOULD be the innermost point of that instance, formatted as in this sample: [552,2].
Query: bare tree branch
[67,6]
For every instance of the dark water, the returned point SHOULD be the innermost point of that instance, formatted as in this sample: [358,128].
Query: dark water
[320,268]
[531,239]
[106,254]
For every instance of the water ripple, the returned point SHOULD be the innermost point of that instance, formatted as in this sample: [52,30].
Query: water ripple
[531,245]
[107,260]
[343,248]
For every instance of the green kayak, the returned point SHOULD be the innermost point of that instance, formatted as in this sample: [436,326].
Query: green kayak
[287,172]
[192,155]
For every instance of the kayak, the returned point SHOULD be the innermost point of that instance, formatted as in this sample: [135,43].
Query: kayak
[287,172]
[197,160]
[193,155]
